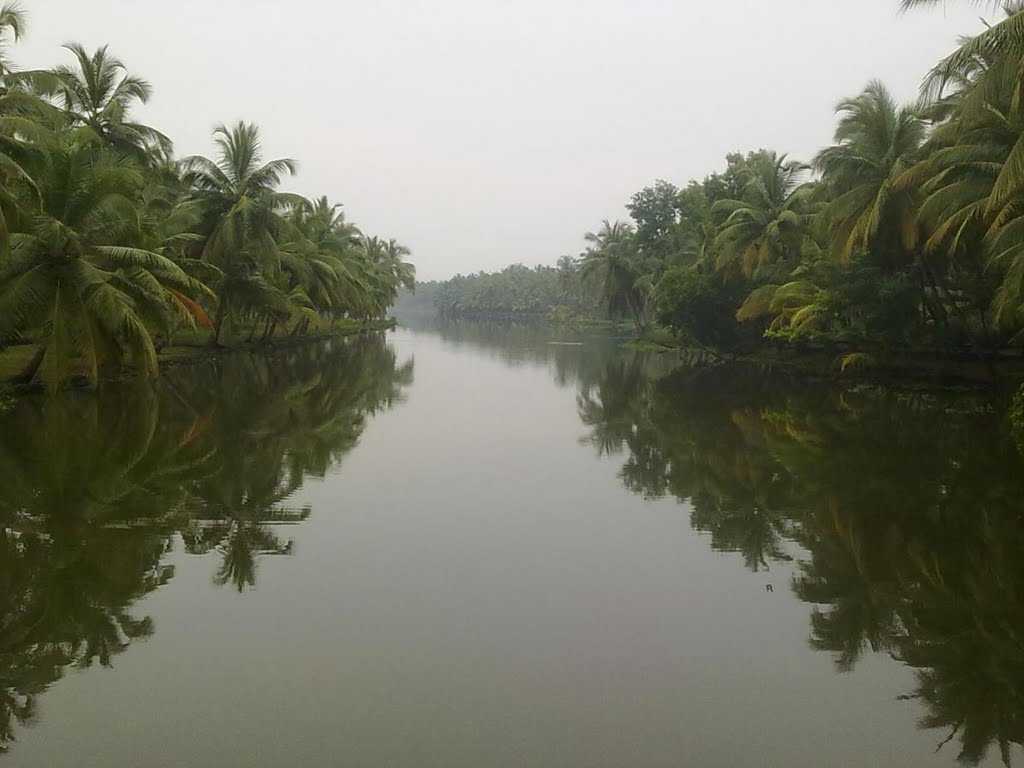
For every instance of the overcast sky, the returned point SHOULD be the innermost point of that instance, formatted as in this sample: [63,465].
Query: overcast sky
[486,132]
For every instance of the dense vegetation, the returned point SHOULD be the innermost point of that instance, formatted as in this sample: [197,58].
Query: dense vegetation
[109,246]
[906,232]
[516,291]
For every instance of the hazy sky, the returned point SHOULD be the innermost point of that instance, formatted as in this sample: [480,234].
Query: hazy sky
[485,132]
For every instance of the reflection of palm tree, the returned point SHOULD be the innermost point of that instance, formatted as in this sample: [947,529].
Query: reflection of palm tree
[678,443]
[65,602]
[963,634]
[907,508]
[753,531]
[850,579]
[277,422]
[96,485]
[241,545]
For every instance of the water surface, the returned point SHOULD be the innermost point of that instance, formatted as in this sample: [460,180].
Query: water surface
[469,546]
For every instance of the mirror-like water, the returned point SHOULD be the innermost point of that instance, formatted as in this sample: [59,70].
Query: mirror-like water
[470,546]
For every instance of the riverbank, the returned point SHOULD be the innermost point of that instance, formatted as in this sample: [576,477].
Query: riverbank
[918,368]
[190,347]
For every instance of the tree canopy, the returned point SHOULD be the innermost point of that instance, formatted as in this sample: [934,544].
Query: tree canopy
[110,247]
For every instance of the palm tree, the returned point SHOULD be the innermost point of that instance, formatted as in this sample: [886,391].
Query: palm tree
[876,141]
[24,121]
[241,220]
[100,93]
[327,226]
[403,272]
[769,223]
[70,286]
[971,181]
[13,22]
[388,271]
[611,263]
[322,256]
[1001,39]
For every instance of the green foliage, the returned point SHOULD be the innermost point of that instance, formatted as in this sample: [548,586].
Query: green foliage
[1016,417]
[614,263]
[109,246]
[697,305]
[655,213]
[767,225]
[516,291]
[906,232]
[911,234]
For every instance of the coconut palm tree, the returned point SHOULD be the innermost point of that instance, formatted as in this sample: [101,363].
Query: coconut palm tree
[971,180]
[322,257]
[769,223]
[241,209]
[1003,38]
[875,142]
[100,93]
[388,271]
[13,22]
[403,272]
[610,262]
[68,284]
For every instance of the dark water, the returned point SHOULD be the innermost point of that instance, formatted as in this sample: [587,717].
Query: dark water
[471,547]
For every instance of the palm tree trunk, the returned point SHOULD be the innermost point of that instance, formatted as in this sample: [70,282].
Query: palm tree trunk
[218,321]
[935,309]
[30,371]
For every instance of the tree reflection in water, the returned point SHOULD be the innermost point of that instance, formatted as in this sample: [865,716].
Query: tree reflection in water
[97,488]
[904,512]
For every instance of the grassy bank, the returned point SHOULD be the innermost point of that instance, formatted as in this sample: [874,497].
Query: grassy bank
[188,347]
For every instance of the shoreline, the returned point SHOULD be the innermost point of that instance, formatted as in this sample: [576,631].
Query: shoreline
[185,353]
[841,364]
[900,368]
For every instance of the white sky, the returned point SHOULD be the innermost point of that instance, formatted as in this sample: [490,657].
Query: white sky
[486,132]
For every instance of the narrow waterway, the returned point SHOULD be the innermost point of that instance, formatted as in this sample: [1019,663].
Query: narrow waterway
[483,545]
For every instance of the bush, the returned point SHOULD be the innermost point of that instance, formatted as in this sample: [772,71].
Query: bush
[699,306]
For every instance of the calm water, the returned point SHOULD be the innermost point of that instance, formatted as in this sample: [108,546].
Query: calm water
[471,547]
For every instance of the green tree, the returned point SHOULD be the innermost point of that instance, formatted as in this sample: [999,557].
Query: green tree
[611,262]
[875,143]
[241,209]
[99,93]
[85,297]
[767,226]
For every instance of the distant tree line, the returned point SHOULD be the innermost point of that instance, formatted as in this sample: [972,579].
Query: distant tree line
[516,291]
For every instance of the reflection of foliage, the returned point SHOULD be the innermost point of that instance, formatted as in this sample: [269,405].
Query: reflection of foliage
[677,445]
[520,343]
[65,598]
[96,486]
[907,509]
[1017,418]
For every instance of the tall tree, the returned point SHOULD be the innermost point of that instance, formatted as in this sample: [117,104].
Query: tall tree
[68,283]
[241,210]
[100,93]
[1005,38]
[875,142]
[611,263]
[769,222]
